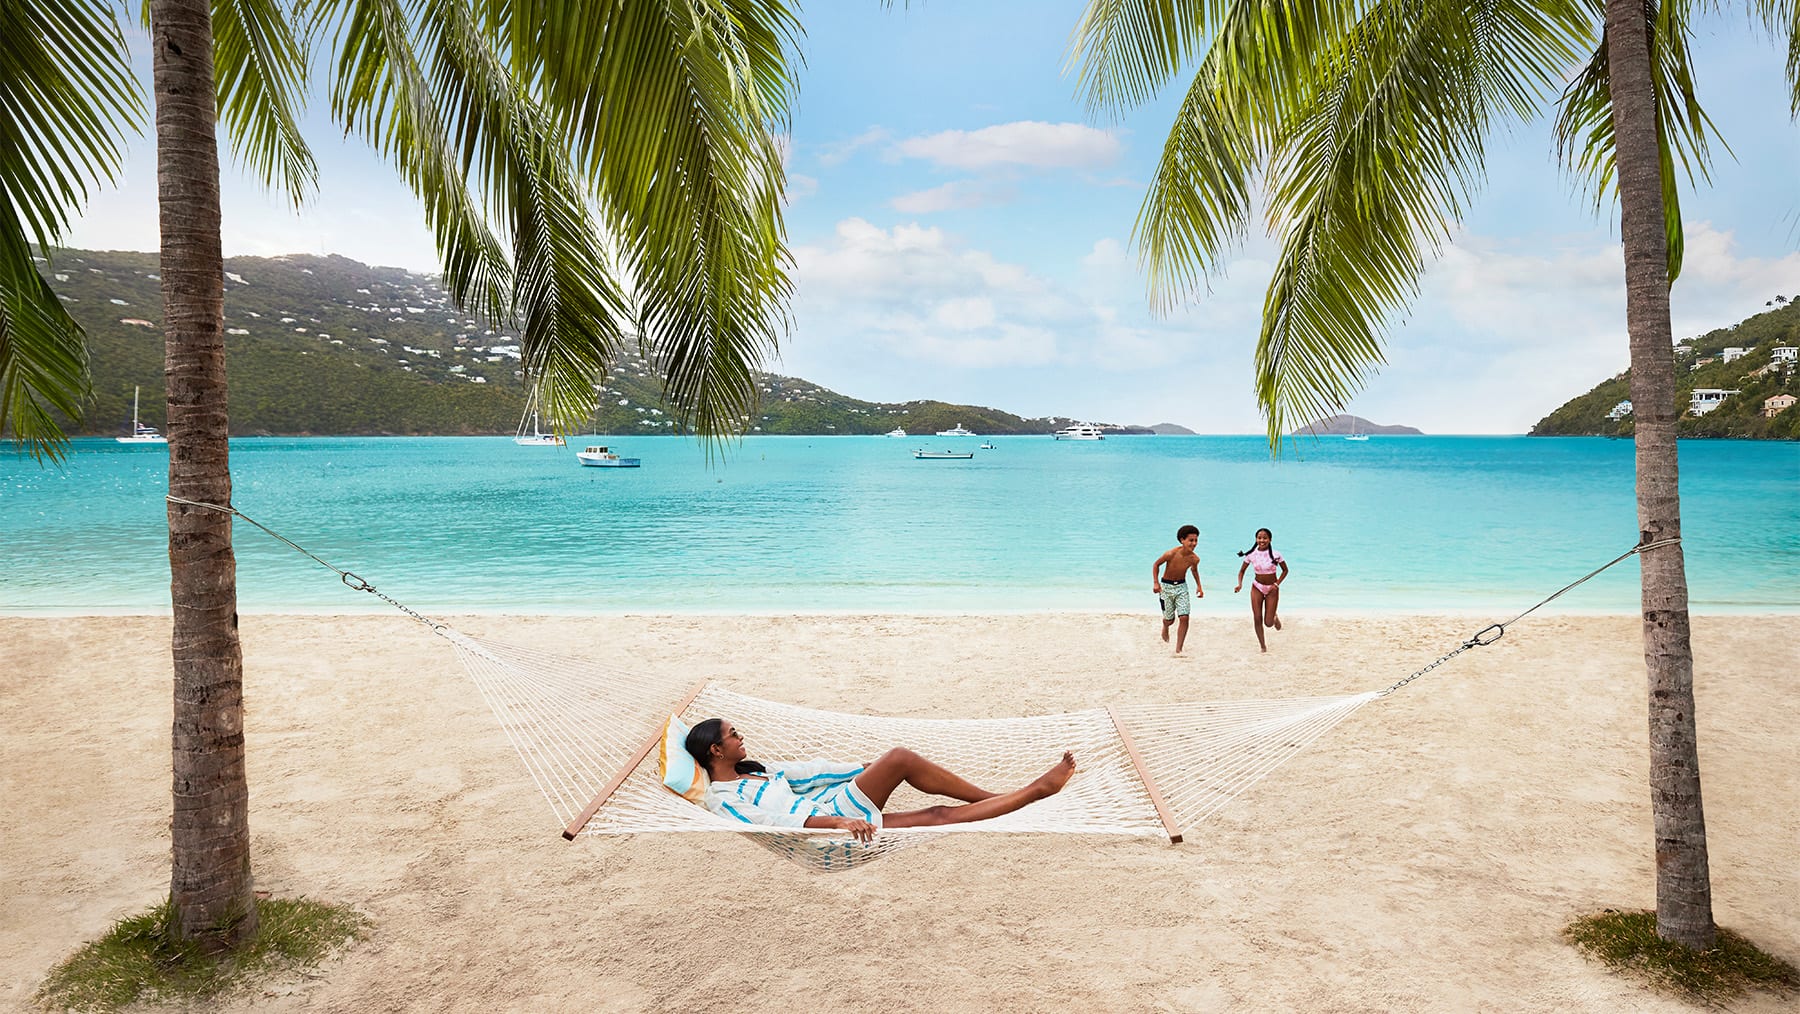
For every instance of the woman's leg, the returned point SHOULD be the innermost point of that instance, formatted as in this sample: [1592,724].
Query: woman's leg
[1270,602]
[1256,615]
[1044,786]
[883,775]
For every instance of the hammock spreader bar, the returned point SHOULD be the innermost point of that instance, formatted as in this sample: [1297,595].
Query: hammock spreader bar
[1137,761]
[606,791]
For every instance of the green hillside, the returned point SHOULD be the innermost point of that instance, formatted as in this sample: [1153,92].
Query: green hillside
[326,345]
[1699,363]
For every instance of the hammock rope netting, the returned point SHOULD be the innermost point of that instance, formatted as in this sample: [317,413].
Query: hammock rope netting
[577,724]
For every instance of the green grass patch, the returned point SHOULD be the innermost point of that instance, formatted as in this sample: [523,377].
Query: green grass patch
[138,960]
[1627,941]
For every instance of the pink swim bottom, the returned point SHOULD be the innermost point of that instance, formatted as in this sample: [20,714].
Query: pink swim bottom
[1268,587]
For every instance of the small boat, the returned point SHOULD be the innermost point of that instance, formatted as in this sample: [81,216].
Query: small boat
[1354,434]
[986,446]
[1080,431]
[537,437]
[924,455]
[600,457]
[141,433]
[957,432]
[896,432]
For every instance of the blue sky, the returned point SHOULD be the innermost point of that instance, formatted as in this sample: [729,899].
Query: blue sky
[961,232]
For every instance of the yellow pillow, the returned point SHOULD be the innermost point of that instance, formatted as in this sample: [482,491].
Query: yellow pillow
[679,772]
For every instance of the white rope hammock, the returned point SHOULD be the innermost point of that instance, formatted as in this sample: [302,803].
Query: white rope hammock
[579,725]
[587,733]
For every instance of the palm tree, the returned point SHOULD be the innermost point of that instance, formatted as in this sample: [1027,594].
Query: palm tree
[1367,122]
[68,97]
[604,173]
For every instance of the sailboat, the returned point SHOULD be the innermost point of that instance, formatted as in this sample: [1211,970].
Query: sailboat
[141,433]
[1354,433]
[536,437]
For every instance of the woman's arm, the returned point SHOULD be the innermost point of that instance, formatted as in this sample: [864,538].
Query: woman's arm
[1284,572]
[1241,568]
[862,829]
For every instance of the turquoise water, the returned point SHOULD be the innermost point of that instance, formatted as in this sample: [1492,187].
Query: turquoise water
[854,524]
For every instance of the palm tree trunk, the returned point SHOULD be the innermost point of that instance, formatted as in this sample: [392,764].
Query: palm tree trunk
[1683,890]
[210,886]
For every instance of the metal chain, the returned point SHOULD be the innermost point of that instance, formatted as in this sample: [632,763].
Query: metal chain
[1493,632]
[350,580]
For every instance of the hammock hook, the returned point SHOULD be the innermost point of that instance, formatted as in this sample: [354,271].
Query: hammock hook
[1481,638]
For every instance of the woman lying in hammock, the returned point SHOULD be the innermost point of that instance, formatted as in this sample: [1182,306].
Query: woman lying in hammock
[848,797]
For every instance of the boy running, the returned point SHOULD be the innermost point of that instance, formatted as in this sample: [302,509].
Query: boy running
[1170,573]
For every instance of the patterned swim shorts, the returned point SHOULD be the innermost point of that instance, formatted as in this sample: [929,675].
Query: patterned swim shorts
[1174,597]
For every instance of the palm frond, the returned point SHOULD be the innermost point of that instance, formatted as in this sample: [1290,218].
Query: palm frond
[671,108]
[259,63]
[1782,18]
[1123,51]
[66,99]
[661,112]
[1584,126]
[1371,179]
[1198,204]
[575,316]
[43,356]
[382,92]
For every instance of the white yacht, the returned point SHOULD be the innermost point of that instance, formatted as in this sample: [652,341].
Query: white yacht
[957,432]
[1080,431]
[141,433]
[536,437]
[897,431]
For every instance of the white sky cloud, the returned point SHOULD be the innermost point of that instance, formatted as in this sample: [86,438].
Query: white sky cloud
[956,195]
[835,153]
[1028,143]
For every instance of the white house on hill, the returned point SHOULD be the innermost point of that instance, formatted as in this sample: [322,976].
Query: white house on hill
[1784,354]
[1705,399]
[1621,410]
[1732,354]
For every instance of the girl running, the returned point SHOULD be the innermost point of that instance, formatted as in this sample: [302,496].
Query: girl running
[1265,591]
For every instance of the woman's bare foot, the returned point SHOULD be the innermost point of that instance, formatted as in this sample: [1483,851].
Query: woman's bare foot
[1052,781]
[1276,622]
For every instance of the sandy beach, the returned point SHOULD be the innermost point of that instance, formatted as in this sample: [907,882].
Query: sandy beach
[1421,857]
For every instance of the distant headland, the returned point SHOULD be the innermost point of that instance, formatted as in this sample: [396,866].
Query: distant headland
[1342,425]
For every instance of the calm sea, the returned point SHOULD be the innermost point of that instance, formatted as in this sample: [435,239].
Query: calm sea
[1486,525]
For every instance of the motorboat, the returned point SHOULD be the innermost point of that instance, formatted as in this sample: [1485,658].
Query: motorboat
[924,455]
[601,457]
[1080,431]
[986,446]
[897,432]
[957,432]
[141,433]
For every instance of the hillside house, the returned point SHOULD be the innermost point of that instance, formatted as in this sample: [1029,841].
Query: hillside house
[1620,411]
[1780,403]
[1732,354]
[1705,399]
[1708,361]
[1784,354]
